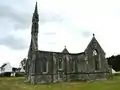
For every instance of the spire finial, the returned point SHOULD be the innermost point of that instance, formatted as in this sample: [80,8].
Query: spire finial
[65,50]
[93,35]
[65,46]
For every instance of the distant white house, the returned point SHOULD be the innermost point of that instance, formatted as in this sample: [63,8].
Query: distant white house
[115,72]
[6,67]
[22,70]
[0,70]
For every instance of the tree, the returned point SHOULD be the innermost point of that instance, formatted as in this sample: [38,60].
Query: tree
[23,63]
[114,61]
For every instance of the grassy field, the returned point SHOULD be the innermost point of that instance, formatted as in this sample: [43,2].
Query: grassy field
[17,83]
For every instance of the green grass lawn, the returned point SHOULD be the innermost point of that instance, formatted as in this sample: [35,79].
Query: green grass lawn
[17,83]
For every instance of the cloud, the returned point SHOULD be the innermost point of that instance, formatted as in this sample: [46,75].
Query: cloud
[50,33]
[62,22]
[22,20]
[50,17]
[19,19]
[86,33]
[13,43]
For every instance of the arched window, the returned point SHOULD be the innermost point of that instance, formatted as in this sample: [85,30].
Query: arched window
[86,58]
[60,63]
[73,65]
[44,65]
[96,64]
[96,59]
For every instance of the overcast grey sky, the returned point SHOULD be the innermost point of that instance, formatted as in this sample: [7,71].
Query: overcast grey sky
[62,23]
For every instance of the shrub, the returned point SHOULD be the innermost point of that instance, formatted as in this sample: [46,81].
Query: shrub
[20,74]
[116,74]
[6,74]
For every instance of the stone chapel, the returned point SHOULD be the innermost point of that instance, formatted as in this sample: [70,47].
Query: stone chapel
[51,67]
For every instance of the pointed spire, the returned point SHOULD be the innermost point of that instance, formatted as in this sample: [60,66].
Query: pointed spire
[36,8]
[35,14]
